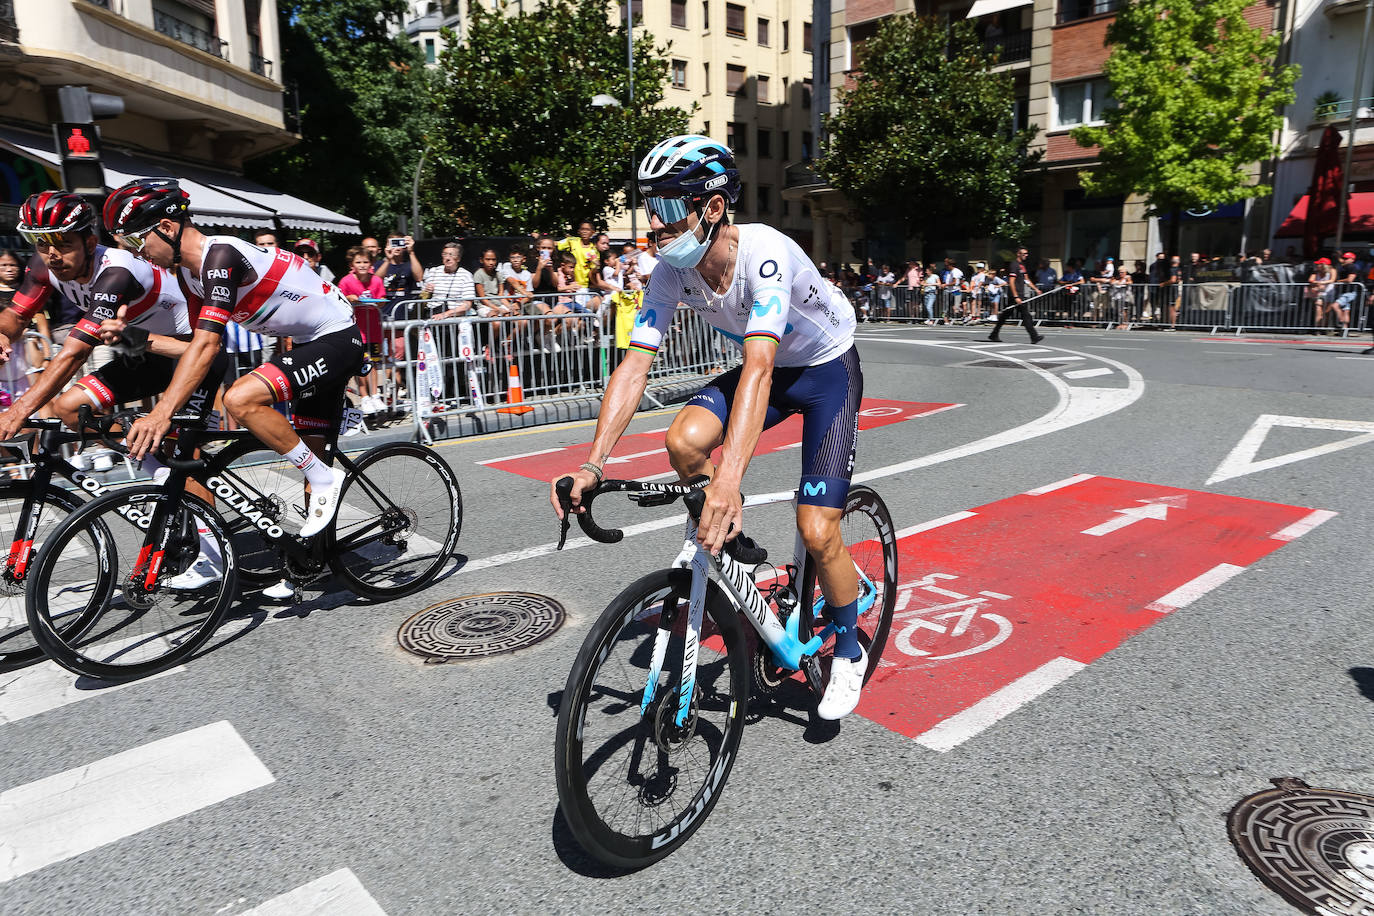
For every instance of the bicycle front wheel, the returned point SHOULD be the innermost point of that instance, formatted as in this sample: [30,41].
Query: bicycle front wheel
[17,645]
[632,783]
[141,624]
[400,513]
[867,532]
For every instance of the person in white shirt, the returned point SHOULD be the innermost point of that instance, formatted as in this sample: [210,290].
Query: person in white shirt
[449,286]
[886,280]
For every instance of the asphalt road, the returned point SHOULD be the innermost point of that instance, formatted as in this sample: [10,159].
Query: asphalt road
[1148,676]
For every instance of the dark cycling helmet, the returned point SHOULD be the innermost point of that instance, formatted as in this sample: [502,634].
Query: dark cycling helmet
[138,205]
[689,167]
[49,214]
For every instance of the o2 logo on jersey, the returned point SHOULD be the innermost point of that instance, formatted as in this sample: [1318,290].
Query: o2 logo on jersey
[647,317]
[768,269]
[765,307]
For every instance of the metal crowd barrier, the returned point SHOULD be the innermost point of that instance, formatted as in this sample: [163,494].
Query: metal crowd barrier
[1218,306]
[460,365]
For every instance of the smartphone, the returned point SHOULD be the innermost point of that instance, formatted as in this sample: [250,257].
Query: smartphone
[544,254]
[396,243]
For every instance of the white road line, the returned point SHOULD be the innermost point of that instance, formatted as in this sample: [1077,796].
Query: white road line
[1362,358]
[1241,459]
[1303,525]
[646,432]
[1229,353]
[935,523]
[988,711]
[932,412]
[781,448]
[338,893]
[975,346]
[1088,373]
[1090,347]
[71,813]
[622,459]
[1059,484]
[1189,592]
[1028,350]
[1076,405]
[542,451]
[1059,359]
[45,687]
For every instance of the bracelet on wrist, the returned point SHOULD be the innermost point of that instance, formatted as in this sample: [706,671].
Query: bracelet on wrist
[593,469]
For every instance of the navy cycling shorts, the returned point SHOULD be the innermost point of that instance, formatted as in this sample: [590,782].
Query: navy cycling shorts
[827,396]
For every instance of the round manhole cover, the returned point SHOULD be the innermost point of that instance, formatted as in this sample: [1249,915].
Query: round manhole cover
[476,626]
[1313,846]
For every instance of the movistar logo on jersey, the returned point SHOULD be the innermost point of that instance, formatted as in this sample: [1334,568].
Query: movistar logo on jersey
[763,307]
[646,316]
[814,489]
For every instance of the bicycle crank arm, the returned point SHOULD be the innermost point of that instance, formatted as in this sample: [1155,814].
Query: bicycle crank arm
[811,665]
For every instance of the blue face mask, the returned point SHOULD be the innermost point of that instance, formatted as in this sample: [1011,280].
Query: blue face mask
[686,250]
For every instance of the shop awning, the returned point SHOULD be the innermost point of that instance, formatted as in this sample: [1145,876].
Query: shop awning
[1359,217]
[988,7]
[217,198]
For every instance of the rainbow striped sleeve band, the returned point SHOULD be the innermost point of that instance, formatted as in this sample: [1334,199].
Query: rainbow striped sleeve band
[763,335]
[644,348]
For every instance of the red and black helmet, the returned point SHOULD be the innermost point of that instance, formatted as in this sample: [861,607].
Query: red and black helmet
[141,203]
[49,214]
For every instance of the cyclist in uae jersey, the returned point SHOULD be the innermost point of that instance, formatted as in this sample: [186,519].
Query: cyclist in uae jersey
[142,309]
[271,291]
[756,286]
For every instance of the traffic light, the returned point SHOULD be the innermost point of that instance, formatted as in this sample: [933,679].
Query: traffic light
[78,139]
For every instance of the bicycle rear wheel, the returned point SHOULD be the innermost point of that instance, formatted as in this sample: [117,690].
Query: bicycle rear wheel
[17,645]
[400,514]
[632,784]
[866,529]
[135,630]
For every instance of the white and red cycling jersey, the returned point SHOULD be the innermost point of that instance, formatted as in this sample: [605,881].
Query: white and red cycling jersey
[268,290]
[157,301]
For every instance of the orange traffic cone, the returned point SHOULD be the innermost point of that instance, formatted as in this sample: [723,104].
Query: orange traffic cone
[515,393]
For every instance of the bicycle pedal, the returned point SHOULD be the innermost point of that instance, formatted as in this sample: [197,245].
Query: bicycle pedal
[811,665]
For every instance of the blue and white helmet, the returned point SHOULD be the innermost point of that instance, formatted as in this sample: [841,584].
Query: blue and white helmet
[689,166]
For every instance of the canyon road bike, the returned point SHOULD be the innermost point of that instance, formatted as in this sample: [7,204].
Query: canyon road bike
[655,704]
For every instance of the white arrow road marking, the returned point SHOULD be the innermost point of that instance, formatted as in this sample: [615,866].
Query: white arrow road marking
[67,814]
[1242,461]
[1129,516]
[338,893]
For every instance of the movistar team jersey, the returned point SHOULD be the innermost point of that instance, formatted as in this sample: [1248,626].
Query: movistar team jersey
[777,294]
[155,300]
[267,290]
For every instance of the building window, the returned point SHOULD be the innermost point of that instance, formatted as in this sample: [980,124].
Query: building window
[189,25]
[1081,102]
[735,134]
[429,50]
[806,37]
[705,79]
[734,20]
[734,79]
[706,128]
[765,138]
[806,93]
[743,204]
[636,9]
[1069,10]
[786,145]
[806,210]
[858,36]
[706,15]
[679,74]
[763,31]
[806,144]
[765,199]
[785,24]
[762,88]
[679,14]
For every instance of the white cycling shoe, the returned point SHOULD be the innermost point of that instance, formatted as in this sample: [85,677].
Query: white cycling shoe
[846,684]
[323,504]
[198,575]
[282,591]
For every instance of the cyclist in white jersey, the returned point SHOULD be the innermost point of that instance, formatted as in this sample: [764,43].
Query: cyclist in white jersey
[756,286]
[271,291]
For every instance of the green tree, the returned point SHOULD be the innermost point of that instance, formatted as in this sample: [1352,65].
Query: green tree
[518,144]
[926,132]
[1198,99]
[364,108]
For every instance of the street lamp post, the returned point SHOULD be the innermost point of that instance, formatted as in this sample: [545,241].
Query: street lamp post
[1354,118]
[601,100]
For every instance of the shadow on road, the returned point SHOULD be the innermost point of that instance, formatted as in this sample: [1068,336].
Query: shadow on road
[575,857]
[1364,679]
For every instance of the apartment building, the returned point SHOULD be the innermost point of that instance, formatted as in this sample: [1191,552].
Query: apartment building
[746,65]
[1055,51]
[201,86]
[1325,38]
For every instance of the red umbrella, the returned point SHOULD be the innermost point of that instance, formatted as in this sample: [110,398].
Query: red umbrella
[1324,202]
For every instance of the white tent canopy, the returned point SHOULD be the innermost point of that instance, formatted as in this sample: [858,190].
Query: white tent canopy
[988,7]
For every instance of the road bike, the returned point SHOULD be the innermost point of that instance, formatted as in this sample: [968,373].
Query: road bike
[655,704]
[31,509]
[398,522]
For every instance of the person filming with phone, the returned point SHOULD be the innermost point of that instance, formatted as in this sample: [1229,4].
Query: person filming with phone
[401,275]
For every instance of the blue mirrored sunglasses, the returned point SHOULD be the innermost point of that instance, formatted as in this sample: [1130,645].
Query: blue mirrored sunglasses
[667,209]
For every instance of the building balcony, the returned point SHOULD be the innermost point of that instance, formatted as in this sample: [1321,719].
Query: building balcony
[188,34]
[260,65]
[1334,8]
[1340,109]
[1010,48]
[1073,10]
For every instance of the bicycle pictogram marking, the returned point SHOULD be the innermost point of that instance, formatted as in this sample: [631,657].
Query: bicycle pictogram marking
[950,621]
